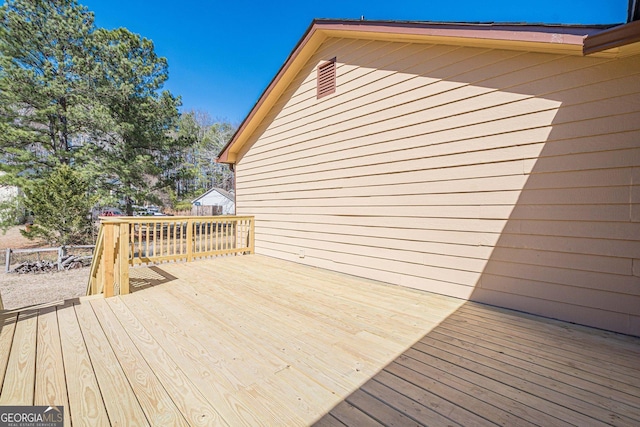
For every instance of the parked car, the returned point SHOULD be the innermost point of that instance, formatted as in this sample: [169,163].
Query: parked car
[148,211]
[111,212]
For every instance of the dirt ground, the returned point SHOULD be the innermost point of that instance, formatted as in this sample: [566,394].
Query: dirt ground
[21,290]
[14,240]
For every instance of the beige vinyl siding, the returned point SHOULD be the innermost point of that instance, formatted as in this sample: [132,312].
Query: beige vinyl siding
[505,177]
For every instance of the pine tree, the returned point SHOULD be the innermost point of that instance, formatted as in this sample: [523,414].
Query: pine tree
[46,84]
[73,94]
[139,148]
[61,206]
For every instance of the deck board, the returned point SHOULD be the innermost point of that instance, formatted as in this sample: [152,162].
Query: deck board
[392,407]
[596,338]
[484,351]
[349,415]
[598,368]
[302,368]
[187,397]
[86,406]
[270,323]
[156,403]
[541,391]
[537,364]
[19,381]
[8,324]
[120,402]
[235,355]
[251,340]
[460,401]
[548,335]
[199,359]
[51,388]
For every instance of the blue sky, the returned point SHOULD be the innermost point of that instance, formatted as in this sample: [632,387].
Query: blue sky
[223,54]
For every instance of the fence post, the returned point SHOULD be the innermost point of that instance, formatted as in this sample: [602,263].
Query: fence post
[8,261]
[62,252]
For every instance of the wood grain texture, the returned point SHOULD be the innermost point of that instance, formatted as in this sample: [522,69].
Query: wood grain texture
[19,379]
[119,399]
[153,398]
[86,404]
[8,324]
[50,387]
[500,378]
[193,405]
[349,415]
[203,361]
[254,340]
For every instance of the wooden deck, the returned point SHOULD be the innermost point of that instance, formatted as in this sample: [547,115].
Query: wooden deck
[251,340]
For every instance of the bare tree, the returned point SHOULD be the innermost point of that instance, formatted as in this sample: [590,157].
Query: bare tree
[199,170]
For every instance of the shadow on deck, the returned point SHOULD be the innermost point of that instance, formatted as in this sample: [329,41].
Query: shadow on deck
[485,365]
[146,277]
[254,340]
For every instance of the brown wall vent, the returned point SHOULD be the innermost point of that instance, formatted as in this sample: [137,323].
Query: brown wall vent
[326,78]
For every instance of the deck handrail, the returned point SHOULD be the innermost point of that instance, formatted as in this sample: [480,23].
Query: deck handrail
[127,241]
[92,286]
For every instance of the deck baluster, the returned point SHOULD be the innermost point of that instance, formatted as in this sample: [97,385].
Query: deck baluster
[196,237]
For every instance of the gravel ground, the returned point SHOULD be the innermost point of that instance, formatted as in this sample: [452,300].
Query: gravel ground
[21,290]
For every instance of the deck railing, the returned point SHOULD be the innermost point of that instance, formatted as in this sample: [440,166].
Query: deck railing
[126,241]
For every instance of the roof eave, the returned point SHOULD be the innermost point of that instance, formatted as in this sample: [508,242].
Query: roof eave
[615,37]
[224,156]
[552,38]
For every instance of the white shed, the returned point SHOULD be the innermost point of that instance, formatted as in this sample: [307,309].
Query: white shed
[216,197]
[7,192]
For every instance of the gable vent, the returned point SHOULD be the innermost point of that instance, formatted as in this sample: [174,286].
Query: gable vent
[326,78]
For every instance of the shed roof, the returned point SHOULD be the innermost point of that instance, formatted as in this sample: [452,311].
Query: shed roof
[219,190]
[603,40]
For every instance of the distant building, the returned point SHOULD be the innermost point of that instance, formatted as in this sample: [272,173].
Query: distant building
[7,192]
[214,202]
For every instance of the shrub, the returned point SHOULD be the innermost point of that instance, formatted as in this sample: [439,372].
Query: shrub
[61,205]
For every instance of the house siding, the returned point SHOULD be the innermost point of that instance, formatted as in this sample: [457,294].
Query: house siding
[501,176]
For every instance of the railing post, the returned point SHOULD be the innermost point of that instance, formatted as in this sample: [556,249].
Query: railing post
[115,247]
[190,224]
[94,281]
[116,259]
[123,250]
[108,259]
[94,286]
[252,235]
